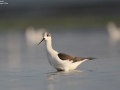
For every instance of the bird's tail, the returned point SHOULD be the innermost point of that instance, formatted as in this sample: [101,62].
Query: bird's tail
[90,58]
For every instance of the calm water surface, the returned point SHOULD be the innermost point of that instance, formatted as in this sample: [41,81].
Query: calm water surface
[24,65]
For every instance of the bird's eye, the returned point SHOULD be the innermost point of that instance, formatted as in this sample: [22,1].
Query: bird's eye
[48,35]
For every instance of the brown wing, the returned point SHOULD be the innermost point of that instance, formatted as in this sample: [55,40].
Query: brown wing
[63,56]
[76,59]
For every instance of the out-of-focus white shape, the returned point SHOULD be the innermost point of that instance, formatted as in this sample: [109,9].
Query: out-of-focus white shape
[114,33]
[33,36]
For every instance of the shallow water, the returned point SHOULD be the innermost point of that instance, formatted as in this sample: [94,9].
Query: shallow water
[24,65]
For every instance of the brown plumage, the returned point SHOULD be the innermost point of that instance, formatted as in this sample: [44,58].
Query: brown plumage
[63,56]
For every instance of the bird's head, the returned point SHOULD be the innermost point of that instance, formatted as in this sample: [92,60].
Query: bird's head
[46,36]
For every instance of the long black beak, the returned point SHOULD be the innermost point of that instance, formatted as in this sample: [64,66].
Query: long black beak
[41,40]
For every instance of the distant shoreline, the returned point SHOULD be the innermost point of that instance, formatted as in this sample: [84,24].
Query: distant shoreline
[55,22]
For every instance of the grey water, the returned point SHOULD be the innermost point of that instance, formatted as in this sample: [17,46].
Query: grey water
[24,65]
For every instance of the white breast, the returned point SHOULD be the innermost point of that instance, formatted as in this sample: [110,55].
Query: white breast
[52,58]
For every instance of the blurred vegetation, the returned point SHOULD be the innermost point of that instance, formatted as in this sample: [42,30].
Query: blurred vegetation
[53,22]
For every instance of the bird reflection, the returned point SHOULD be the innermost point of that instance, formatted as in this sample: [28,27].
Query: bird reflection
[114,33]
[50,86]
[50,75]
[33,36]
[55,77]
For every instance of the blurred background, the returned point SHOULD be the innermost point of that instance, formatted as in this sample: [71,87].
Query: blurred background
[78,27]
[58,13]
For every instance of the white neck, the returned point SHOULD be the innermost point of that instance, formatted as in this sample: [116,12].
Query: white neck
[49,48]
